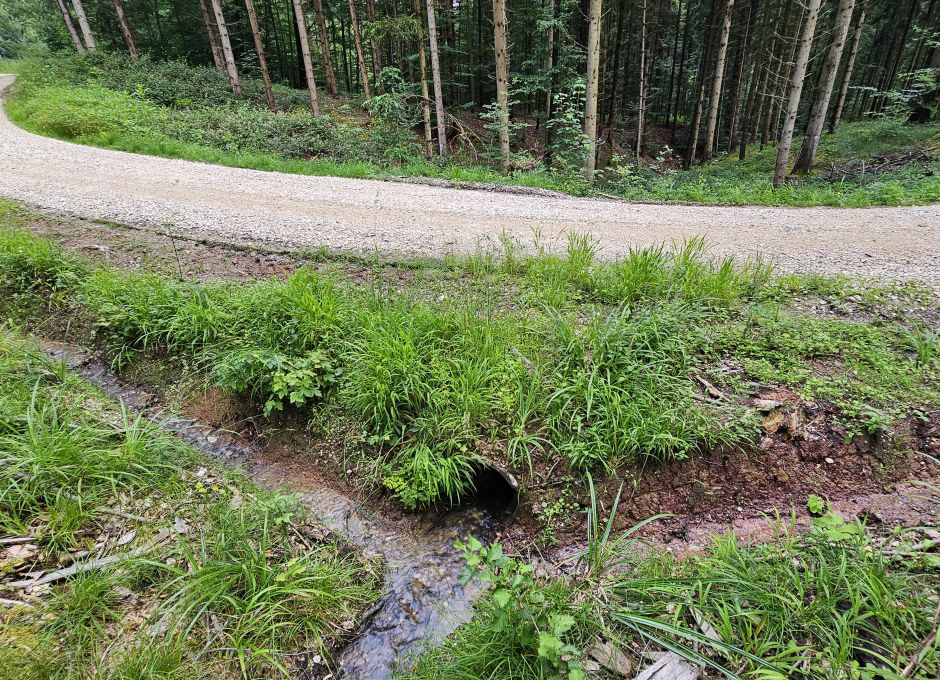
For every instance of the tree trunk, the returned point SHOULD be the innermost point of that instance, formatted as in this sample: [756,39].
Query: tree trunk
[675,63]
[259,48]
[740,80]
[83,24]
[436,78]
[773,89]
[376,48]
[700,84]
[757,83]
[711,123]
[686,46]
[827,79]
[502,80]
[615,79]
[360,54]
[590,97]
[126,30]
[425,96]
[70,25]
[549,65]
[797,76]
[331,86]
[227,53]
[644,85]
[891,73]
[213,35]
[301,22]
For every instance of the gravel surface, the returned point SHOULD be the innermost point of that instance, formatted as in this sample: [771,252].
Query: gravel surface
[256,207]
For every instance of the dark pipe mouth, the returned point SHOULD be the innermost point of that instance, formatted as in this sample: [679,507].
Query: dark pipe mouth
[495,489]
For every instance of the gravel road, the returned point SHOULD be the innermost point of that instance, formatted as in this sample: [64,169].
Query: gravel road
[255,207]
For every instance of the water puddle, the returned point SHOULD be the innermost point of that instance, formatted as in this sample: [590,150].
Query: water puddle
[423,600]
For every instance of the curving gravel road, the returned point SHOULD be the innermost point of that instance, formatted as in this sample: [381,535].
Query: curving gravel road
[256,207]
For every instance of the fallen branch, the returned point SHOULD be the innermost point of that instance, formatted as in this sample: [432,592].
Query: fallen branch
[15,603]
[929,640]
[117,512]
[17,540]
[92,565]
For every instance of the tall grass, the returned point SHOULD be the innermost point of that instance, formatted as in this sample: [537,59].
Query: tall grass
[826,605]
[591,363]
[234,594]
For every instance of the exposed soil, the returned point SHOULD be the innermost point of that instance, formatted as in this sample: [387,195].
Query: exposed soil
[363,216]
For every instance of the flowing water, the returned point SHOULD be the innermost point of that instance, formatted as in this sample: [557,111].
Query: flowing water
[422,599]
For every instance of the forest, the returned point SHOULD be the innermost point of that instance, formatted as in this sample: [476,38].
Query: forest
[634,99]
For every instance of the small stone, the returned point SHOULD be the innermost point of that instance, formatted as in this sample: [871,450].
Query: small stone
[767,404]
[782,476]
[212,439]
[830,461]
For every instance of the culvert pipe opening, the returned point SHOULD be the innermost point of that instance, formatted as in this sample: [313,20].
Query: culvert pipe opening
[495,489]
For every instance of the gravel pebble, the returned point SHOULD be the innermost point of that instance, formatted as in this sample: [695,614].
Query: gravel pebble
[394,218]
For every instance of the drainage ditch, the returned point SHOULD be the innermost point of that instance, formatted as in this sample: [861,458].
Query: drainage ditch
[423,600]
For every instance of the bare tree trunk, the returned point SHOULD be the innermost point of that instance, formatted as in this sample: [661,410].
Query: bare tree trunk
[83,24]
[502,80]
[549,65]
[715,99]
[797,77]
[700,85]
[331,86]
[675,62]
[425,96]
[644,86]
[615,79]
[686,45]
[227,54]
[593,80]
[70,25]
[741,78]
[436,77]
[849,67]
[305,54]
[376,50]
[213,35]
[126,30]
[775,78]
[758,79]
[360,54]
[259,48]
[827,79]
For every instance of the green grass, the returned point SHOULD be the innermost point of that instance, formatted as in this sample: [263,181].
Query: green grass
[728,180]
[172,110]
[10,65]
[834,603]
[507,356]
[68,457]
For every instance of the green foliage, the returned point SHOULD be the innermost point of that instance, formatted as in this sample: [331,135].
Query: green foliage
[241,570]
[869,373]
[728,180]
[570,145]
[235,592]
[516,602]
[593,364]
